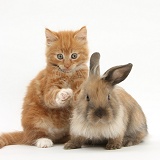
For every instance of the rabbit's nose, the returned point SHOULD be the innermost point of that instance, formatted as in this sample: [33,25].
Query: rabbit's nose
[100,112]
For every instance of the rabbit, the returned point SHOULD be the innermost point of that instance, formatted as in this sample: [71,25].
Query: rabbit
[105,112]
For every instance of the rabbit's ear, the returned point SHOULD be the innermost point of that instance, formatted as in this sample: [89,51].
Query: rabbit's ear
[117,74]
[94,64]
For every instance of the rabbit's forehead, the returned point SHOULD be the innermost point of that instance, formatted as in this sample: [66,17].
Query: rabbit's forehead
[98,87]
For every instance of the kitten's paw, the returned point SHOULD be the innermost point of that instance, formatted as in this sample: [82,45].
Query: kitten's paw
[63,96]
[44,143]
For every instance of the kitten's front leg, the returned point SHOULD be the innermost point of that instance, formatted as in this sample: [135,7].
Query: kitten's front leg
[55,97]
[75,142]
[63,96]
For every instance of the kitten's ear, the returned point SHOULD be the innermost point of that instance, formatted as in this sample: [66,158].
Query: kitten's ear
[51,37]
[81,34]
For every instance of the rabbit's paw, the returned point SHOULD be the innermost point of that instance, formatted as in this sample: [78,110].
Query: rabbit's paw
[71,145]
[112,146]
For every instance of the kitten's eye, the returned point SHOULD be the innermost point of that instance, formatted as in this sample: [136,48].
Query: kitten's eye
[60,56]
[74,56]
[87,98]
[109,97]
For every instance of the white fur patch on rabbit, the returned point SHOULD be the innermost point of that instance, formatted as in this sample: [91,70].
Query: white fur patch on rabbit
[112,130]
[63,96]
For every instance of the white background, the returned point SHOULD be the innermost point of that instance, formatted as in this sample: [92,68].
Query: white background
[122,31]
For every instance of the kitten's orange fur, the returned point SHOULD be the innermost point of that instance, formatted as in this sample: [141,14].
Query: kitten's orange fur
[47,104]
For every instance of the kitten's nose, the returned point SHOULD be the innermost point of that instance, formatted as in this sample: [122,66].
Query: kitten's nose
[67,65]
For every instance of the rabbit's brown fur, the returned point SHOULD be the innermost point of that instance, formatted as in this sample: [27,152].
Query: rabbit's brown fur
[105,112]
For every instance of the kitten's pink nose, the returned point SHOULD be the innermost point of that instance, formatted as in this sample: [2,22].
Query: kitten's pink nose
[67,65]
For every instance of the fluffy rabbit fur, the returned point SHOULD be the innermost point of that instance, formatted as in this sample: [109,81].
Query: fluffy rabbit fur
[106,113]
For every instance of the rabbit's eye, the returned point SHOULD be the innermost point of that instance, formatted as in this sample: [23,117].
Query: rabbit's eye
[109,97]
[87,98]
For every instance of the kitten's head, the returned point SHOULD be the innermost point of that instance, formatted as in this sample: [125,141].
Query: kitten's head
[66,49]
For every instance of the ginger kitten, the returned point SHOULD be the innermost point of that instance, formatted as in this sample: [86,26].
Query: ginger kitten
[47,104]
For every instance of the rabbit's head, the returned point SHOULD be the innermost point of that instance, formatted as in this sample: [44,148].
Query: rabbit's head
[97,101]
